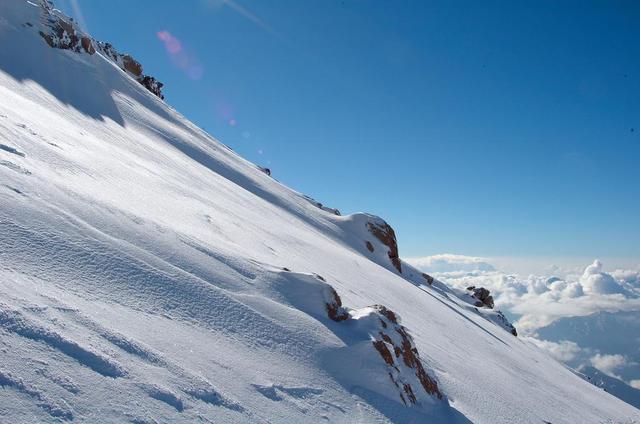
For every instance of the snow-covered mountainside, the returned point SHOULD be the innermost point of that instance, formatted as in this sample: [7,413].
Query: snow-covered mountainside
[149,274]
[613,385]
[607,340]
[585,317]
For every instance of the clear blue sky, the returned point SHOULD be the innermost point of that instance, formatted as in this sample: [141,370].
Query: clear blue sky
[503,128]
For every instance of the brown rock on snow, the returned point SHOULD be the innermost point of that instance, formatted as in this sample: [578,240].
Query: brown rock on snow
[409,391]
[397,356]
[131,65]
[387,236]
[109,51]
[383,350]
[62,34]
[335,311]
[407,352]
[152,84]
[387,313]
[483,295]
[87,45]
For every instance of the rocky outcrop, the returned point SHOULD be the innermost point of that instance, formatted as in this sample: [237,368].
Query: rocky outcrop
[61,32]
[333,303]
[109,51]
[63,35]
[132,67]
[265,170]
[152,84]
[396,347]
[87,45]
[429,279]
[393,344]
[321,206]
[483,297]
[502,321]
[383,232]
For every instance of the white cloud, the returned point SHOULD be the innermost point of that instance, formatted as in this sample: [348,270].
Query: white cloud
[574,290]
[540,300]
[564,351]
[594,280]
[628,276]
[540,310]
[608,363]
[535,301]
[630,279]
[450,263]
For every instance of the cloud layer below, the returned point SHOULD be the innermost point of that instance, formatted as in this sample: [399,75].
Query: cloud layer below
[599,340]
[536,301]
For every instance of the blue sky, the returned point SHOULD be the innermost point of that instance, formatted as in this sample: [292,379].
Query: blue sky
[507,129]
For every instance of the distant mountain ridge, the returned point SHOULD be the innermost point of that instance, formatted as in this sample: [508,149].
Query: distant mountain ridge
[612,385]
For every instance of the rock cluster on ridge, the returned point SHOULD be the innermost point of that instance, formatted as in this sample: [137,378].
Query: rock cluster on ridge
[61,32]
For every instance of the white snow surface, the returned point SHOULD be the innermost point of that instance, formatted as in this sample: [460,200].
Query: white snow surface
[141,278]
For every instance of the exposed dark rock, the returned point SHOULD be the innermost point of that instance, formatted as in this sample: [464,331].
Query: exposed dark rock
[428,278]
[409,391]
[383,350]
[396,348]
[483,296]
[405,351]
[505,323]
[387,313]
[386,235]
[265,170]
[370,246]
[87,45]
[321,206]
[335,311]
[152,84]
[108,50]
[131,65]
[63,34]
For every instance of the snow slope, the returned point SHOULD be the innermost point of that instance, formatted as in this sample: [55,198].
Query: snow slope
[613,385]
[149,274]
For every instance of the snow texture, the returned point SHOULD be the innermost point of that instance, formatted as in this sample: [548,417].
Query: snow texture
[149,275]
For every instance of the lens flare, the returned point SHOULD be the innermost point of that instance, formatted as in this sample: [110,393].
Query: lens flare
[78,15]
[250,16]
[171,43]
[181,57]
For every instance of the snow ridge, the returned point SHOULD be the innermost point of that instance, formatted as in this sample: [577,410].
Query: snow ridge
[60,31]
